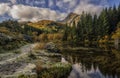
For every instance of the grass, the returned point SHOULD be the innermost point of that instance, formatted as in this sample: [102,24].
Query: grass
[16,51]
[58,70]
[27,76]
[31,55]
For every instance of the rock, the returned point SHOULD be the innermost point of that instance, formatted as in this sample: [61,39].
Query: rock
[27,72]
[30,68]
[28,38]
[51,47]
[5,38]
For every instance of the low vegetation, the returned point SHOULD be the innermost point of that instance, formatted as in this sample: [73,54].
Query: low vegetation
[58,70]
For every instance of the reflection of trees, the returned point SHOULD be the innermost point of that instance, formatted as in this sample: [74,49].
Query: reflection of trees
[109,64]
[104,47]
[108,61]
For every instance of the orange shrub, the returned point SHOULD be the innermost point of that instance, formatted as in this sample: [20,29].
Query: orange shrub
[50,36]
[58,36]
[4,30]
[40,46]
[39,68]
[42,37]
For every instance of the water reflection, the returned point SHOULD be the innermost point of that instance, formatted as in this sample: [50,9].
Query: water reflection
[80,71]
[102,62]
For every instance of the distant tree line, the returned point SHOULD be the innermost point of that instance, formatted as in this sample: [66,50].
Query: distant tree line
[93,27]
[23,28]
[14,34]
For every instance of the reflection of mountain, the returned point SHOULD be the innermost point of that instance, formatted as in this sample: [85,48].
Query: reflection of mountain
[79,71]
[95,63]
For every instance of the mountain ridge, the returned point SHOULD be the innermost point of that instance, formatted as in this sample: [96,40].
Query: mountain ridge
[69,20]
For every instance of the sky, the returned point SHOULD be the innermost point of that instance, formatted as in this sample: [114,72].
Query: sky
[35,10]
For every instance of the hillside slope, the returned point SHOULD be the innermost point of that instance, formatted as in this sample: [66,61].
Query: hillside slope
[47,25]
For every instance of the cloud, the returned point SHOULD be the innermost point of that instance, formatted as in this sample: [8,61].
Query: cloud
[57,10]
[90,6]
[78,6]
[4,8]
[28,13]
[13,1]
[67,5]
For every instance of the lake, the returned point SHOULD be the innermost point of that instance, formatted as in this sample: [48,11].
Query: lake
[99,61]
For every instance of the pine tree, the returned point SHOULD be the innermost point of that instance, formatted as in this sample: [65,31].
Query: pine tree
[118,13]
[104,27]
[65,34]
[89,26]
[79,32]
[73,32]
[95,27]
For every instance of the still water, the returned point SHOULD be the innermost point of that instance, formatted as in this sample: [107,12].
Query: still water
[93,62]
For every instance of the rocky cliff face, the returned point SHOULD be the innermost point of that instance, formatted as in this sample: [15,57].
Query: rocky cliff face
[71,19]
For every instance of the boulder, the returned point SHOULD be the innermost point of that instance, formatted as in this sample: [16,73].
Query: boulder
[29,71]
[51,47]
[4,39]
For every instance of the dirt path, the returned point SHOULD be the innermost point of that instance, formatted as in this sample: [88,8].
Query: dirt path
[23,52]
[18,61]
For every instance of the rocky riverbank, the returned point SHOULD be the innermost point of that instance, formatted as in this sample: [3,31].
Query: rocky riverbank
[24,62]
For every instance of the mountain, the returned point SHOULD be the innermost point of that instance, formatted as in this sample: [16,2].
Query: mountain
[71,19]
[47,25]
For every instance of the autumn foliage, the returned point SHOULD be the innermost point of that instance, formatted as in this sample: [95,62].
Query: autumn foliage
[50,37]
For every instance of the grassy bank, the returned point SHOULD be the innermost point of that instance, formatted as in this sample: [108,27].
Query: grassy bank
[58,70]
